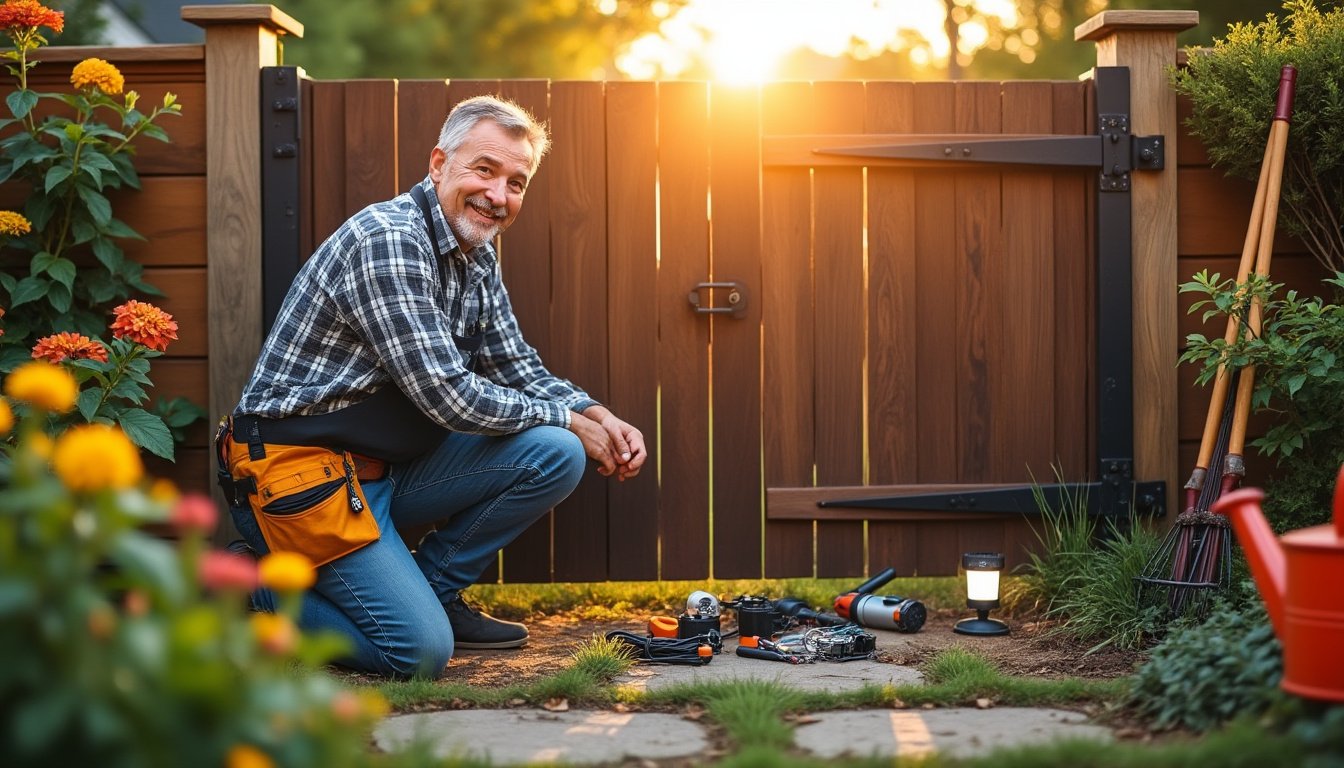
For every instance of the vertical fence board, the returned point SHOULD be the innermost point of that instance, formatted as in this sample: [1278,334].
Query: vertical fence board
[632,110]
[978,225]
[1074,253]
[579,304]
[1020,285]
[893,440]
[840,320]
[370,172]
[786,301]
[683,341]
[525,258]
[307,165]
[422,106]
[328,149]
[736,342]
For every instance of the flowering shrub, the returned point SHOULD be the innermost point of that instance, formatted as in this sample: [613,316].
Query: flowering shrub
[68,159]
[122,648]
[111,379]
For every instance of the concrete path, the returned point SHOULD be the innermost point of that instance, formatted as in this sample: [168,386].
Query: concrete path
[524,736]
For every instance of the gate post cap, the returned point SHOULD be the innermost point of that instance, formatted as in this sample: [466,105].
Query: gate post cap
[260,14]
[1107,23]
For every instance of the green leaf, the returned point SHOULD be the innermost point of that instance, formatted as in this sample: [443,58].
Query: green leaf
[109,254]
[28,289]
[147,431]
[21,103]
[128,388]
[41,260]
[63,272]
[88,402]
[1295,383]
[99,207]
[119,228]
[60,297]
[55,175]
[150,561]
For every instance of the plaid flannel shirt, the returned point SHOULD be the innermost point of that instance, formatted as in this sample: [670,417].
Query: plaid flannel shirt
[376,305]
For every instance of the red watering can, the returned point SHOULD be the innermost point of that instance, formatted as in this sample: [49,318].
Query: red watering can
[1301,577]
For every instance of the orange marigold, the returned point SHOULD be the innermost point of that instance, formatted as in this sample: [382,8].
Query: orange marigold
[75,346]
[30,13]
[145,324]
[97,73]
[14,224]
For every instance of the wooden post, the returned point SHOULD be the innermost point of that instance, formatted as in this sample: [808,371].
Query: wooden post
[239,40]
[1145,41]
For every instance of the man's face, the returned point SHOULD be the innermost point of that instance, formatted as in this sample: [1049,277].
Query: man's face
[481,185]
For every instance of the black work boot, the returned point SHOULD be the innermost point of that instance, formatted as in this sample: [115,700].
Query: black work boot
[473,629]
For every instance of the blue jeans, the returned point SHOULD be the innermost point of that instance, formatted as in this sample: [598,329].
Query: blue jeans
[483,492]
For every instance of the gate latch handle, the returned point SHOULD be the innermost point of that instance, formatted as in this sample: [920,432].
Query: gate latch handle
[737,299]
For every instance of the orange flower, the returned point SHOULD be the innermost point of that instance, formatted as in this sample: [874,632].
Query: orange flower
[59,346]
[96,73]
[275,633]
[30,13]
[144,324]
[247,756]
[6,417]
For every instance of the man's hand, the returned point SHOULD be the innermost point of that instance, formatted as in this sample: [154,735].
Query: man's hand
[617,447]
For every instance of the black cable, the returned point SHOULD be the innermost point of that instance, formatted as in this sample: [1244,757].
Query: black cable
[669,650]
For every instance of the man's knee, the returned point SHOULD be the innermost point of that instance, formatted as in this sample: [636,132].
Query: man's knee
[422,651]
[564,459]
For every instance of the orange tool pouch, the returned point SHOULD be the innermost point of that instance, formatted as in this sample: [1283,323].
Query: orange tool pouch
[306,499]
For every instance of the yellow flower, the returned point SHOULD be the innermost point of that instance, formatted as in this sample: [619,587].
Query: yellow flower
[93,457]
[276,633]
[247,756]
[49,387]
[6,418]
[96,73]
[39,444]
[375,706]
[14,224]
[287,571]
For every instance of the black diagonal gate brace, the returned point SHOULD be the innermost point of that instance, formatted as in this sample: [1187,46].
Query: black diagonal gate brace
[1116,153]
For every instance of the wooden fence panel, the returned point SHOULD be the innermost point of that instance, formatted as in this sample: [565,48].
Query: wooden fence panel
[683,343]
[579,303]
[371,169]
[839,319]
[632,522]
[787,327]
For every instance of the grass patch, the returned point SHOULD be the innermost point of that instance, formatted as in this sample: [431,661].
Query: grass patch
[602,601]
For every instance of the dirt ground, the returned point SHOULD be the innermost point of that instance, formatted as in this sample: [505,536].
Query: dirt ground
[1029,650]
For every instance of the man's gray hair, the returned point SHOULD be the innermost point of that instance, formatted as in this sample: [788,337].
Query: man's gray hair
[511,117]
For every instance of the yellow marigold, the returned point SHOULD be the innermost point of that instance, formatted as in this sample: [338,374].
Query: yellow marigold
[75,346]
[287,571]
[247,756]
[96,73]
[30,13]
[94,457]
[6,418]
[40,445]
[275,632]
[49,387]
[144,323]
[14,224]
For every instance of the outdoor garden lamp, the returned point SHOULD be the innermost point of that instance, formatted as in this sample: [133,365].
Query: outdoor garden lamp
[982,593]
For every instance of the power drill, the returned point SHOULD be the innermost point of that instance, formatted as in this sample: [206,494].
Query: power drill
[902,614]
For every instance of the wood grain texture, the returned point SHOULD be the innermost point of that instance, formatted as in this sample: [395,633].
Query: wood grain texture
[371,132]
[788,385]
[326,144]
[579,304]
[1074,256]
[632,524]
[734,178]
[683,343]
[840,321]
[422,106]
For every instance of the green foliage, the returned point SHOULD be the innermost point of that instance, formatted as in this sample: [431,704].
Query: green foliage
[1297,381]
[1232,89]
[1066,533]
[603,659]
[125,649]
[1205,674]
[69,268]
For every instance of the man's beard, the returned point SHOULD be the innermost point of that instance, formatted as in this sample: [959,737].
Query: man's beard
[471,232]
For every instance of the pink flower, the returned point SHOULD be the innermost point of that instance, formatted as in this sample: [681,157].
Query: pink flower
[225,570]
[194,512]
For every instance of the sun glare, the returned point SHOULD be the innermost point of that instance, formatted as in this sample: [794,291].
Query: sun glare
[744,41]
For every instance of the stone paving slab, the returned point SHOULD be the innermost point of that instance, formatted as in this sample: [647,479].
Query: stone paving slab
[518,736]
[958,732]
[819,676]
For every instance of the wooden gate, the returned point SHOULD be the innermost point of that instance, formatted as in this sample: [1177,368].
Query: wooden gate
[896,325]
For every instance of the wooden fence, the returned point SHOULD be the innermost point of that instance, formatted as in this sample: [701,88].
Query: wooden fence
[902,326]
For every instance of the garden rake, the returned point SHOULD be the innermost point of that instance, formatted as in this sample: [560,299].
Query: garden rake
[1194,557]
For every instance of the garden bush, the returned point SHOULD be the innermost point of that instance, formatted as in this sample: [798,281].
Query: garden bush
[1204,674]
[125,649]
